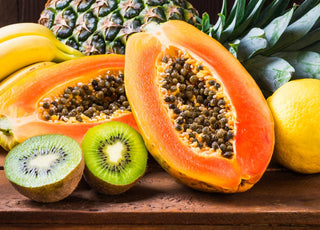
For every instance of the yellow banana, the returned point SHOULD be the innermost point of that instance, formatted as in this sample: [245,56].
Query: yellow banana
[16,76]
[19,52]
[29,28]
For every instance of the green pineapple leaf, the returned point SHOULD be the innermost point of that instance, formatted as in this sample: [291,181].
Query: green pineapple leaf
[234,19]
[233,47]
[250,44]
[205,23]
[218,32]
[276,28]
[297,30]
[303,8]
[316,25]
[276,8]
[251,13]
[311,38]
[305,63]
[313,48]
[220,22]
[236,13]
[269,72]
[222,12]
[259,40]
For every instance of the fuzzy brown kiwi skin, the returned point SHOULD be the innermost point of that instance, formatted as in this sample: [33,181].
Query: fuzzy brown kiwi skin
[54,192]
[105,187]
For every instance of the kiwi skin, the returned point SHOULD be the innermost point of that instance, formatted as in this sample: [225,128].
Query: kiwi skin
[54,192]
[105,187]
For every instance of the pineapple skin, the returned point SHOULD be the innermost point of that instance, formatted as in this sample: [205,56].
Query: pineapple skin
[103,26]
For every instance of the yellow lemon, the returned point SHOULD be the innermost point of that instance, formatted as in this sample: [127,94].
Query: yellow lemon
[296,110]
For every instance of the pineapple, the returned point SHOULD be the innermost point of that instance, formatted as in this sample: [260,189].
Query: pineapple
[103,26]
[275,44]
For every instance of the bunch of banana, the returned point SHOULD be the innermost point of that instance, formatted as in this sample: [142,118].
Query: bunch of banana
[24,44]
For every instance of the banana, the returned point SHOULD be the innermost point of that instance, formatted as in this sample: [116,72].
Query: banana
[26,29]
[20,74]
[19,52]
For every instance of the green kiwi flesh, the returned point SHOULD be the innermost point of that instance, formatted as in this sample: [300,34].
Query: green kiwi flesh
[45,168]
[115,157]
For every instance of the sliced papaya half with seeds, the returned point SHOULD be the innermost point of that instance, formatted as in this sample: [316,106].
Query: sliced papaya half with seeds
[202,116]
[66,98]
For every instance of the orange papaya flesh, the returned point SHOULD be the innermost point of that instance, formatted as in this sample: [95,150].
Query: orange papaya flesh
[161,107]
[38,103]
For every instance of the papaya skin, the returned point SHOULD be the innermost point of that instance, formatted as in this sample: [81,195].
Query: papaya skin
[254,137]
[19,118]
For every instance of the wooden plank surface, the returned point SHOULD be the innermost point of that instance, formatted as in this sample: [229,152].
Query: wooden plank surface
[2,157]
[279,198]
[156,227]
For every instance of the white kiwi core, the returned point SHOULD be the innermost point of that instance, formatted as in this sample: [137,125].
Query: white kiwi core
[43,161]
[114,151]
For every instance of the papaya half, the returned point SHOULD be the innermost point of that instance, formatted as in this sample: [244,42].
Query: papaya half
[66,98]
[202,116]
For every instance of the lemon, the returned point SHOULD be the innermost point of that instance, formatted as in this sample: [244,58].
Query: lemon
[296,111]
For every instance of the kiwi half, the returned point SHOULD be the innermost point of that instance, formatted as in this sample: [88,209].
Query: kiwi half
[45,168]
[115,157]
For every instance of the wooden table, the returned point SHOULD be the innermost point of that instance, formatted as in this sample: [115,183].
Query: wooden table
[281,199]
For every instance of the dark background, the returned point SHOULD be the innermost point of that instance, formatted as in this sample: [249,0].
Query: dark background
[12,11]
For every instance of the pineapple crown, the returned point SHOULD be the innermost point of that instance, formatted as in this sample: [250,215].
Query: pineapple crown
[275,44]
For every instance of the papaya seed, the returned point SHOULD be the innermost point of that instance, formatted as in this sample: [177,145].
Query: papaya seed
[46,105]
[99,98]
[200,107]
[228,155]
[211,82]
[200,67]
